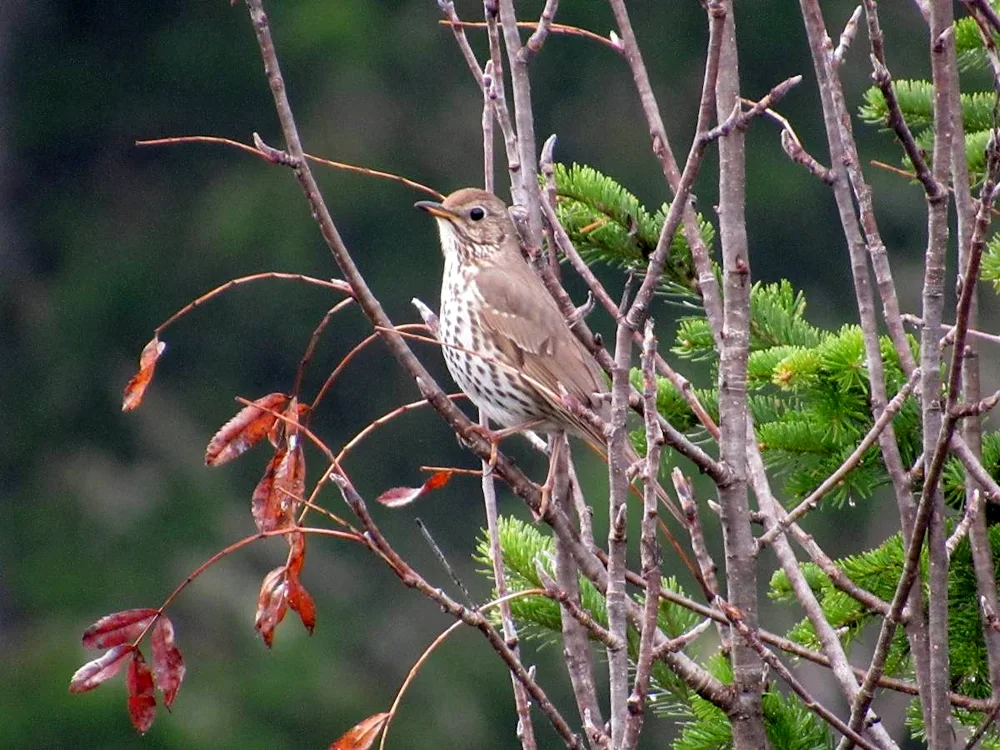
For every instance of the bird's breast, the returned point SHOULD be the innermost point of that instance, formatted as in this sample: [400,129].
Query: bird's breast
[476,363]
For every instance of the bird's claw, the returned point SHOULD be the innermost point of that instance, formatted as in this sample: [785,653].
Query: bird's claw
[493,439]
[543,505]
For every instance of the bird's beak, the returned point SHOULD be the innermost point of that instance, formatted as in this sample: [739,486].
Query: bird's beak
[436,209]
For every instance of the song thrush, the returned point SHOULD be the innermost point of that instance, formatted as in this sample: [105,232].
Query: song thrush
[506,343]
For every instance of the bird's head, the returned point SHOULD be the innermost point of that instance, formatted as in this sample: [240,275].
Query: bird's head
[473,224]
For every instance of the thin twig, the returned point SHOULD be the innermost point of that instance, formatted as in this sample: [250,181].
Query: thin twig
[314,341]
[989,13]
[554,28]
[522,705]
[499,101]
[334,284]
[894,112]
[793,147]
[649,549]
[615,594]
[679,183]
[981,729]
[524,181]
[474,618]
[737,619]
[526,730]
[534,44]
[317,159]
[418,664]
[577,626]
[972,510]
[576,611]
[844,162]
[827,636]
[443,561]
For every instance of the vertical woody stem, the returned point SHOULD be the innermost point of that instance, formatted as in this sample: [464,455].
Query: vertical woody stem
[747,719]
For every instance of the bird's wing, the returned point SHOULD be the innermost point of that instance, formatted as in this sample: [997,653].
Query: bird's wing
[531,331]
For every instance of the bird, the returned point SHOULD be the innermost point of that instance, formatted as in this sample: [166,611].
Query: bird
[506,343]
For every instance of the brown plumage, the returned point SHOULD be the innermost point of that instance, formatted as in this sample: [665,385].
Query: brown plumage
[506,343]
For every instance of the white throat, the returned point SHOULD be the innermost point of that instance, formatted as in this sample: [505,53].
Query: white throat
[449,240]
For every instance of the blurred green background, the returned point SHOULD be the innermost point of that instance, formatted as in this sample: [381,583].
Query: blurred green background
[101,240]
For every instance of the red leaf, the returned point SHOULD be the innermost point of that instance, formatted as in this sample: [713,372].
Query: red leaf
[250,425]
[278,494]
[299,600]
[294,412]
[438,479]
[266,502]
[101,669]
[302,602]
[290,479]
[272,604]
[397,497]
[296,552]
[168,664]
[118,628]
[136,387]
[141,701]
[362,735]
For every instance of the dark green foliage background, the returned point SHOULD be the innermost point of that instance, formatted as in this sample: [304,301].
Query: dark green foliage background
[101,241]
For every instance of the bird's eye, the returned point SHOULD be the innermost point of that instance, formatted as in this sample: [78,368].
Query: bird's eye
[477,214]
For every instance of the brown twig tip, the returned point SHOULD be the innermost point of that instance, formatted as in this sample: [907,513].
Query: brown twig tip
[847,37]
[429,317]
[273,155]
[548,150]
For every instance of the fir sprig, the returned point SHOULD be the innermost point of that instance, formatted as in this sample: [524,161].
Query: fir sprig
[608,224]
[916,102]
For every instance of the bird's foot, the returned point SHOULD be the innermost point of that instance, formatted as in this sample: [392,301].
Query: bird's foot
[494,437]
[557,446]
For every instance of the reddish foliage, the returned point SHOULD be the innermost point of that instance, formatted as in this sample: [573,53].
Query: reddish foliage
[298,598]
[118,628]
[277,494]
[362,735]
[296,551]
[290,479]
[438,479]
[294,412]
[101,669]
[136,387]
[302,602]
[250,425]
[282,590]
[266,503]
[141,701]
[272,604]
[168,664]
[397,497]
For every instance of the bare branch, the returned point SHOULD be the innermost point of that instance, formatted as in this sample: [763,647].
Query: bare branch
[618,470]
[475,619]
[649,549]
[526,730]
[524,181]
[577,625]
[748,635]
